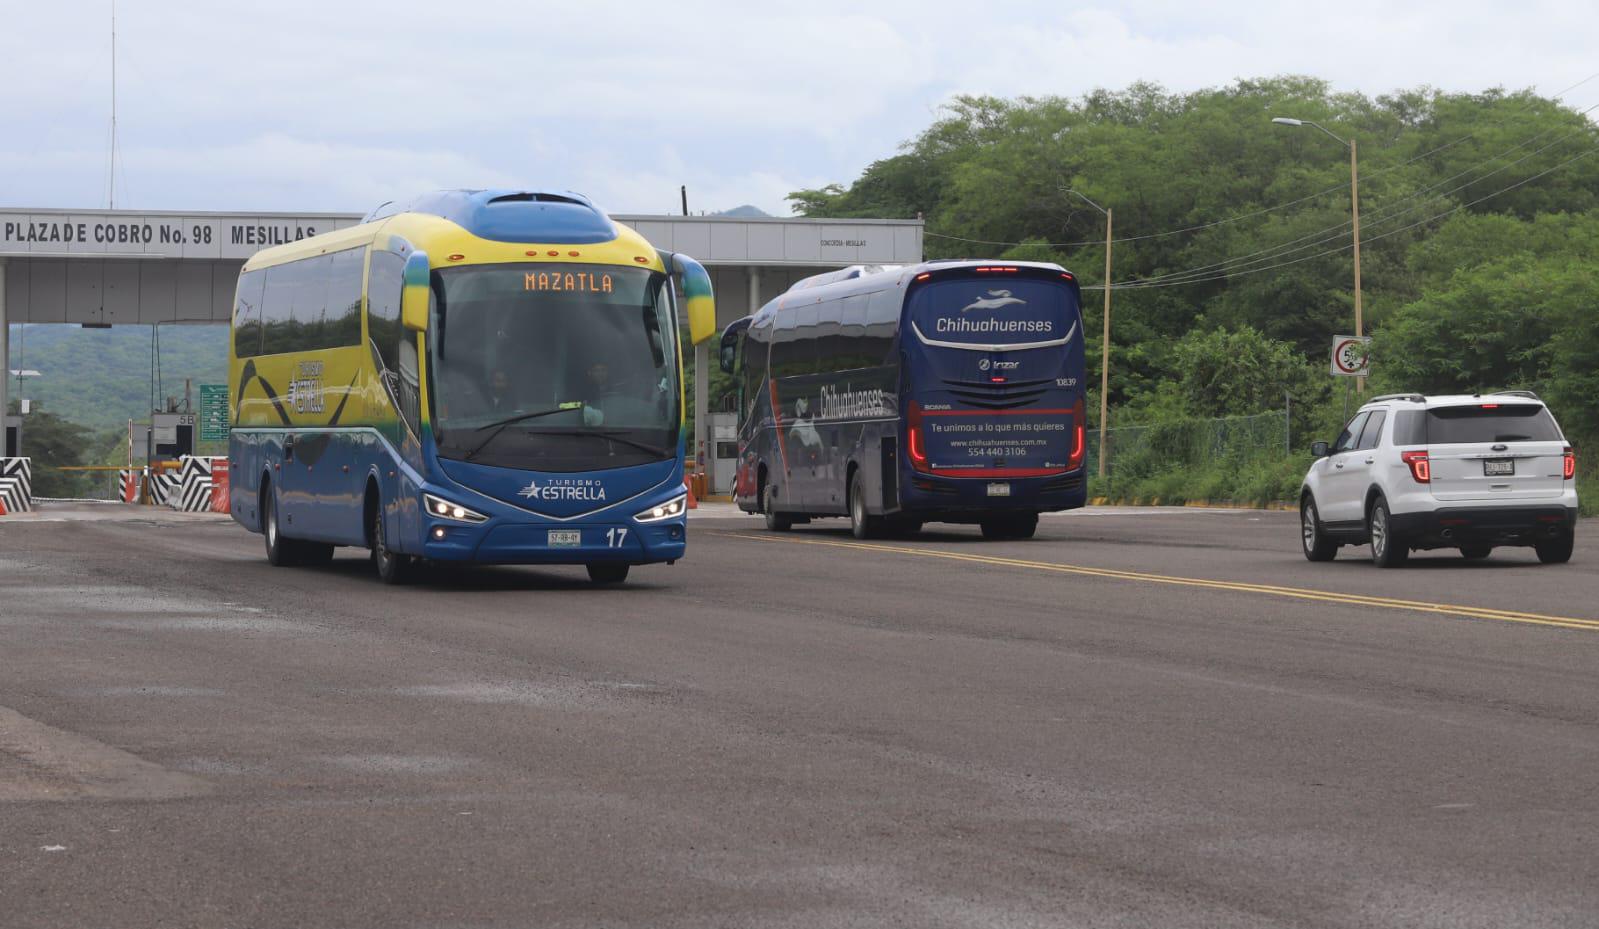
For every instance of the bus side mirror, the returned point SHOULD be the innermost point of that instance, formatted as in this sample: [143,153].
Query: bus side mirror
[414,298]
[698,299]
[728,354]
[1320,449]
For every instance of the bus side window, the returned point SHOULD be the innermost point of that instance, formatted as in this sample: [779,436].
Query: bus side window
[393,345]
[752,362]
[385,282]
[247,315]
[882,321]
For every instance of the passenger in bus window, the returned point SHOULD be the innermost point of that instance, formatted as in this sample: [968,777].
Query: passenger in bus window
[596,393]
[501,399]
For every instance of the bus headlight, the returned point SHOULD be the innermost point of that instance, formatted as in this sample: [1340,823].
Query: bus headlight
[667,510]
[440,508]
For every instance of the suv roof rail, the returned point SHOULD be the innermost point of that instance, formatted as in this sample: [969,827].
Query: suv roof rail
[1413,398]
[1518,393]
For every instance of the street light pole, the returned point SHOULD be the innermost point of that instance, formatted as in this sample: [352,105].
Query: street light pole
[1354,206]
[1354,209]
[1104,342]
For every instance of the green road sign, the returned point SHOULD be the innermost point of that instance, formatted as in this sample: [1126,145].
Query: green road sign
[213,412]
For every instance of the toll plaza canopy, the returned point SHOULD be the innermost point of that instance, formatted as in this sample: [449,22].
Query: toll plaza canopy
[132,267]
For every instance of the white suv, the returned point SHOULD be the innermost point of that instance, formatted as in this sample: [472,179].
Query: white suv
[1468,472]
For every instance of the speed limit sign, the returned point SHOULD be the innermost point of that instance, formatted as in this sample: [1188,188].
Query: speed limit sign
[1351,356]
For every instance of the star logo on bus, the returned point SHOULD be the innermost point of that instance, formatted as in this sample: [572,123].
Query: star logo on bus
[994,300]
[530,491]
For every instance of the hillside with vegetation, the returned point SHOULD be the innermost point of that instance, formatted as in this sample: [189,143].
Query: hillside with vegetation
[1233,253]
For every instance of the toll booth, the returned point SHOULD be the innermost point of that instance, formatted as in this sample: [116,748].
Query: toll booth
[171,436]
[12,446]
[724,452]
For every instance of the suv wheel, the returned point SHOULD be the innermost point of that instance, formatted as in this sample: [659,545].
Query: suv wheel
[1476,552]
[1317,546]
[1556,550]
[1387,549]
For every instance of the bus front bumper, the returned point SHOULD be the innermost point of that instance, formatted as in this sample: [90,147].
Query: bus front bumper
[503,542]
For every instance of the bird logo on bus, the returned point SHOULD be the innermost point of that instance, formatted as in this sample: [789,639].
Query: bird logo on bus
[994,300]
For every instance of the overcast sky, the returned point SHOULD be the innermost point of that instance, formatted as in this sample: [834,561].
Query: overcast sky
[336,105]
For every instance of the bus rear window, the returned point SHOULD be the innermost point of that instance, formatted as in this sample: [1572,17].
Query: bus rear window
[1491,422]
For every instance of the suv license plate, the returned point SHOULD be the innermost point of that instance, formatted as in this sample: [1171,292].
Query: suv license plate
[566,538]
[999,490]
[1499,467]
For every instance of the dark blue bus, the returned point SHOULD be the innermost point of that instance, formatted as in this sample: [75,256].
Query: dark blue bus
[950,391]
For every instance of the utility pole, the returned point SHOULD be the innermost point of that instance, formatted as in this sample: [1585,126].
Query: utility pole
[1104,355]
[1104,341]
[1354,207]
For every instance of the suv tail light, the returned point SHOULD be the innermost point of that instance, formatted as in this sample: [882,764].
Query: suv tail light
[915,440]
[1571,463]
[1420,466]
[1079,437]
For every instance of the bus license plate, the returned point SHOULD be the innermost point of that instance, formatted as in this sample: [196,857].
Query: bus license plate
[999,490]
[1499,467]
[565,538]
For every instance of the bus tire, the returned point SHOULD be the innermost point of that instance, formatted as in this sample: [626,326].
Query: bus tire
[775,521]
[605,575]
[280,552]
[392,567]
[907,527]
[1015,526]
[861,524]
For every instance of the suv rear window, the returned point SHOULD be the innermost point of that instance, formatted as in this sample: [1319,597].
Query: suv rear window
[1520,422]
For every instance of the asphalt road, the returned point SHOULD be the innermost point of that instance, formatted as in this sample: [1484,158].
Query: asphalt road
[1140,718]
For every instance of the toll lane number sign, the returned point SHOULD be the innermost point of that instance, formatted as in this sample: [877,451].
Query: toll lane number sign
[1351,356]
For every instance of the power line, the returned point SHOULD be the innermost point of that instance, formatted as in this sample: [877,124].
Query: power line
[1260,212]
[1345,248]
[1388,212]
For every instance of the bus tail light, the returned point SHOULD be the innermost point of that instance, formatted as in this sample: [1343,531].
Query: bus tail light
[1079,437]
[1420,465]
[1570,469]
[915,440]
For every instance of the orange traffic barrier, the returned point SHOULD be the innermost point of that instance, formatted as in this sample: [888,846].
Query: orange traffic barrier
[693,504]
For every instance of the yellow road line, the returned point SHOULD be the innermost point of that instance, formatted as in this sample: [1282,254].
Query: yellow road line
[1298,593]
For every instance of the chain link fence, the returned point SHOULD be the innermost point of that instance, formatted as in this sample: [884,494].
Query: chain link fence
[1139,453]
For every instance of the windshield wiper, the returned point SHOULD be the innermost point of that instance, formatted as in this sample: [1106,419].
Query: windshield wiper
[610,435]
[499,425]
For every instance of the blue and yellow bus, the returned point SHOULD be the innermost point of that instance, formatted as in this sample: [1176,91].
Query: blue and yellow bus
[949,391]
[485,376]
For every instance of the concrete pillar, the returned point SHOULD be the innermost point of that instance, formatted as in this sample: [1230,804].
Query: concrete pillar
[755,290]
[702,392]
[5,361]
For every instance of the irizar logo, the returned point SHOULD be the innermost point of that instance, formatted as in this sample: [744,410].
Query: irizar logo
[994,300]
[568,489]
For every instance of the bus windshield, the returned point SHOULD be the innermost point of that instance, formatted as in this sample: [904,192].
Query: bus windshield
[552,367]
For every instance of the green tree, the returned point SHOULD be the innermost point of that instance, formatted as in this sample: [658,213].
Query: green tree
[52,442]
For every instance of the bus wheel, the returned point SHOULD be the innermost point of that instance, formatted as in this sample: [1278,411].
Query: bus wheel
[392,567]
[775,521]
[604,575]
[1010,527]
[280,552]
[862,525]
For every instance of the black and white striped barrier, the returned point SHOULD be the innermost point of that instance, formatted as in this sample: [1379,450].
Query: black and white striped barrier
[195,484]
[16,485]
[162,488]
